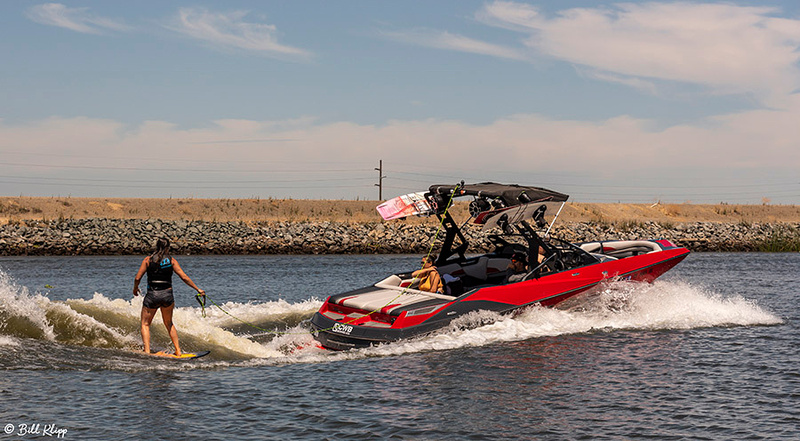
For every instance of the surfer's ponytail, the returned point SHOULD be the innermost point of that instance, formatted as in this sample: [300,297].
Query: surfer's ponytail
[162,250]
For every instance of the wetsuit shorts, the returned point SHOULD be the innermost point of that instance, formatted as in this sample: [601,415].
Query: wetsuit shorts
[161,298]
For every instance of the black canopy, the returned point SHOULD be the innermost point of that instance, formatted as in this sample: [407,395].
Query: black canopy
[510,194]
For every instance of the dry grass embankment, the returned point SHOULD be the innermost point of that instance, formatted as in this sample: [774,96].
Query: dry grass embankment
[274,210]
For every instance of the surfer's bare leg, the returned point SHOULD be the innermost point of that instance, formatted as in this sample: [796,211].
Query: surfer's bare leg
[166,314]
[147,318]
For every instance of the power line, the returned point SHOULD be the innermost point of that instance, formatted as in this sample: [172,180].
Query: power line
[205,181]
[184,160]
[595,186]
[431,175]
[214,187]
[97,167]
[363,178]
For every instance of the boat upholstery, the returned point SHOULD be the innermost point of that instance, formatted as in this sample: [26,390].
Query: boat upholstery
[389,298]
[621,248]
[482,269]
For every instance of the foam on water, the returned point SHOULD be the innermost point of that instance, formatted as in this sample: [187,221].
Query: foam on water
[102,322]
[8,341]
[195,332]
[620,306]
[21,313]
[230,314]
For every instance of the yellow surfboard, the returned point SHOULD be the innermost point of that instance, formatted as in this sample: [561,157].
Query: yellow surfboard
[183,356]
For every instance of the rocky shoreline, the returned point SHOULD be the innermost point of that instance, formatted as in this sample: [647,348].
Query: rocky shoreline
[137,236]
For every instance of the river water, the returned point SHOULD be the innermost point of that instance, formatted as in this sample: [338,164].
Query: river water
[709,351]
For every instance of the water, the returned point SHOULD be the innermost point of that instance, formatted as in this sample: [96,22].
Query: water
[709,351]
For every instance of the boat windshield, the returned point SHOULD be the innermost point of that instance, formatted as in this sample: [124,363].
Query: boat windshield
[561,255]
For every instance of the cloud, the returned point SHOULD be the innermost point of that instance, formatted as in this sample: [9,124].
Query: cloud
[449,41]
[75,19]
[621,151]
[724,47]
[230,31]
[510,15]
[634,82]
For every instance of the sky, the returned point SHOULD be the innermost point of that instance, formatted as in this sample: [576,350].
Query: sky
[636,102]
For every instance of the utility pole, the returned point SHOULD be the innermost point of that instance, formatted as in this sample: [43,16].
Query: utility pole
[380,179]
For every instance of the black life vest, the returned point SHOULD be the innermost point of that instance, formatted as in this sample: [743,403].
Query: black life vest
[159,274]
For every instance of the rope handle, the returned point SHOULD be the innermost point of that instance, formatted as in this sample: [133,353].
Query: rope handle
[201,299]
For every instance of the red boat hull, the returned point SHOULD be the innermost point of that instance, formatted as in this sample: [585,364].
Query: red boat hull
[339,327]
[550,290]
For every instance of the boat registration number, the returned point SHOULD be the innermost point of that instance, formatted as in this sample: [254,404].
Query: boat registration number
[342,329]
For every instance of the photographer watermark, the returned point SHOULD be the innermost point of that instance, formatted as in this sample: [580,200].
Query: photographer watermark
[24,429]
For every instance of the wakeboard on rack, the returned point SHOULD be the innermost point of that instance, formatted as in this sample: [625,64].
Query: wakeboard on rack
[412,204]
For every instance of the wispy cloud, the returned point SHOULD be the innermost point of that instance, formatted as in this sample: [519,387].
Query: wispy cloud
[75,19]
[728,48]
[230,31]
[510,15]
[634,82]
[449,41]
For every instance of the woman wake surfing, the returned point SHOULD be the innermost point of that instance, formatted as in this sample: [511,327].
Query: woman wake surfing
[159,268]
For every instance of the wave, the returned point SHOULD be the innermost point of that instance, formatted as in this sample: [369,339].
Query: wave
[21,314]
[276,332]
[8,341]
[102,322]
[619,306]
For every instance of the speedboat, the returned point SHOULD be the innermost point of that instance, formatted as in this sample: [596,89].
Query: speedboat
[514,218]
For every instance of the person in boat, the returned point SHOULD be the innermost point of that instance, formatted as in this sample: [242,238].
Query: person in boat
[541,256]
[159,268]
[429,279]
[517,269]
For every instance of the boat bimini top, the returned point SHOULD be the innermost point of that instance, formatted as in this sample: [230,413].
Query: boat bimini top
[493,205]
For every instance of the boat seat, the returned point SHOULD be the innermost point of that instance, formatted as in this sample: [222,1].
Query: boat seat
[475,269]
[453,286]
[390,301]
[393,280]
[483,269]
[603,257]
[497,266]
[620,248]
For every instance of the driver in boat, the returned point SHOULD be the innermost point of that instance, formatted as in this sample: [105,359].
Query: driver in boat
[517,269]
[429,279]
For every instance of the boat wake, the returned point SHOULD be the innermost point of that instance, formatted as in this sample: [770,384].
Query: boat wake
[44,332]
[103,333]
[619,306]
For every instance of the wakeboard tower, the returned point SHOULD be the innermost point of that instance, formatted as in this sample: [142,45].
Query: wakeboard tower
[394,308]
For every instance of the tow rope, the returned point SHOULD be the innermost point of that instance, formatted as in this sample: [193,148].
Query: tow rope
[238,319]
[202,301]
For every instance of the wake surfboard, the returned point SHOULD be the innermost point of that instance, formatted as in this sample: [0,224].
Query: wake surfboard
[412,204]
[183,356]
